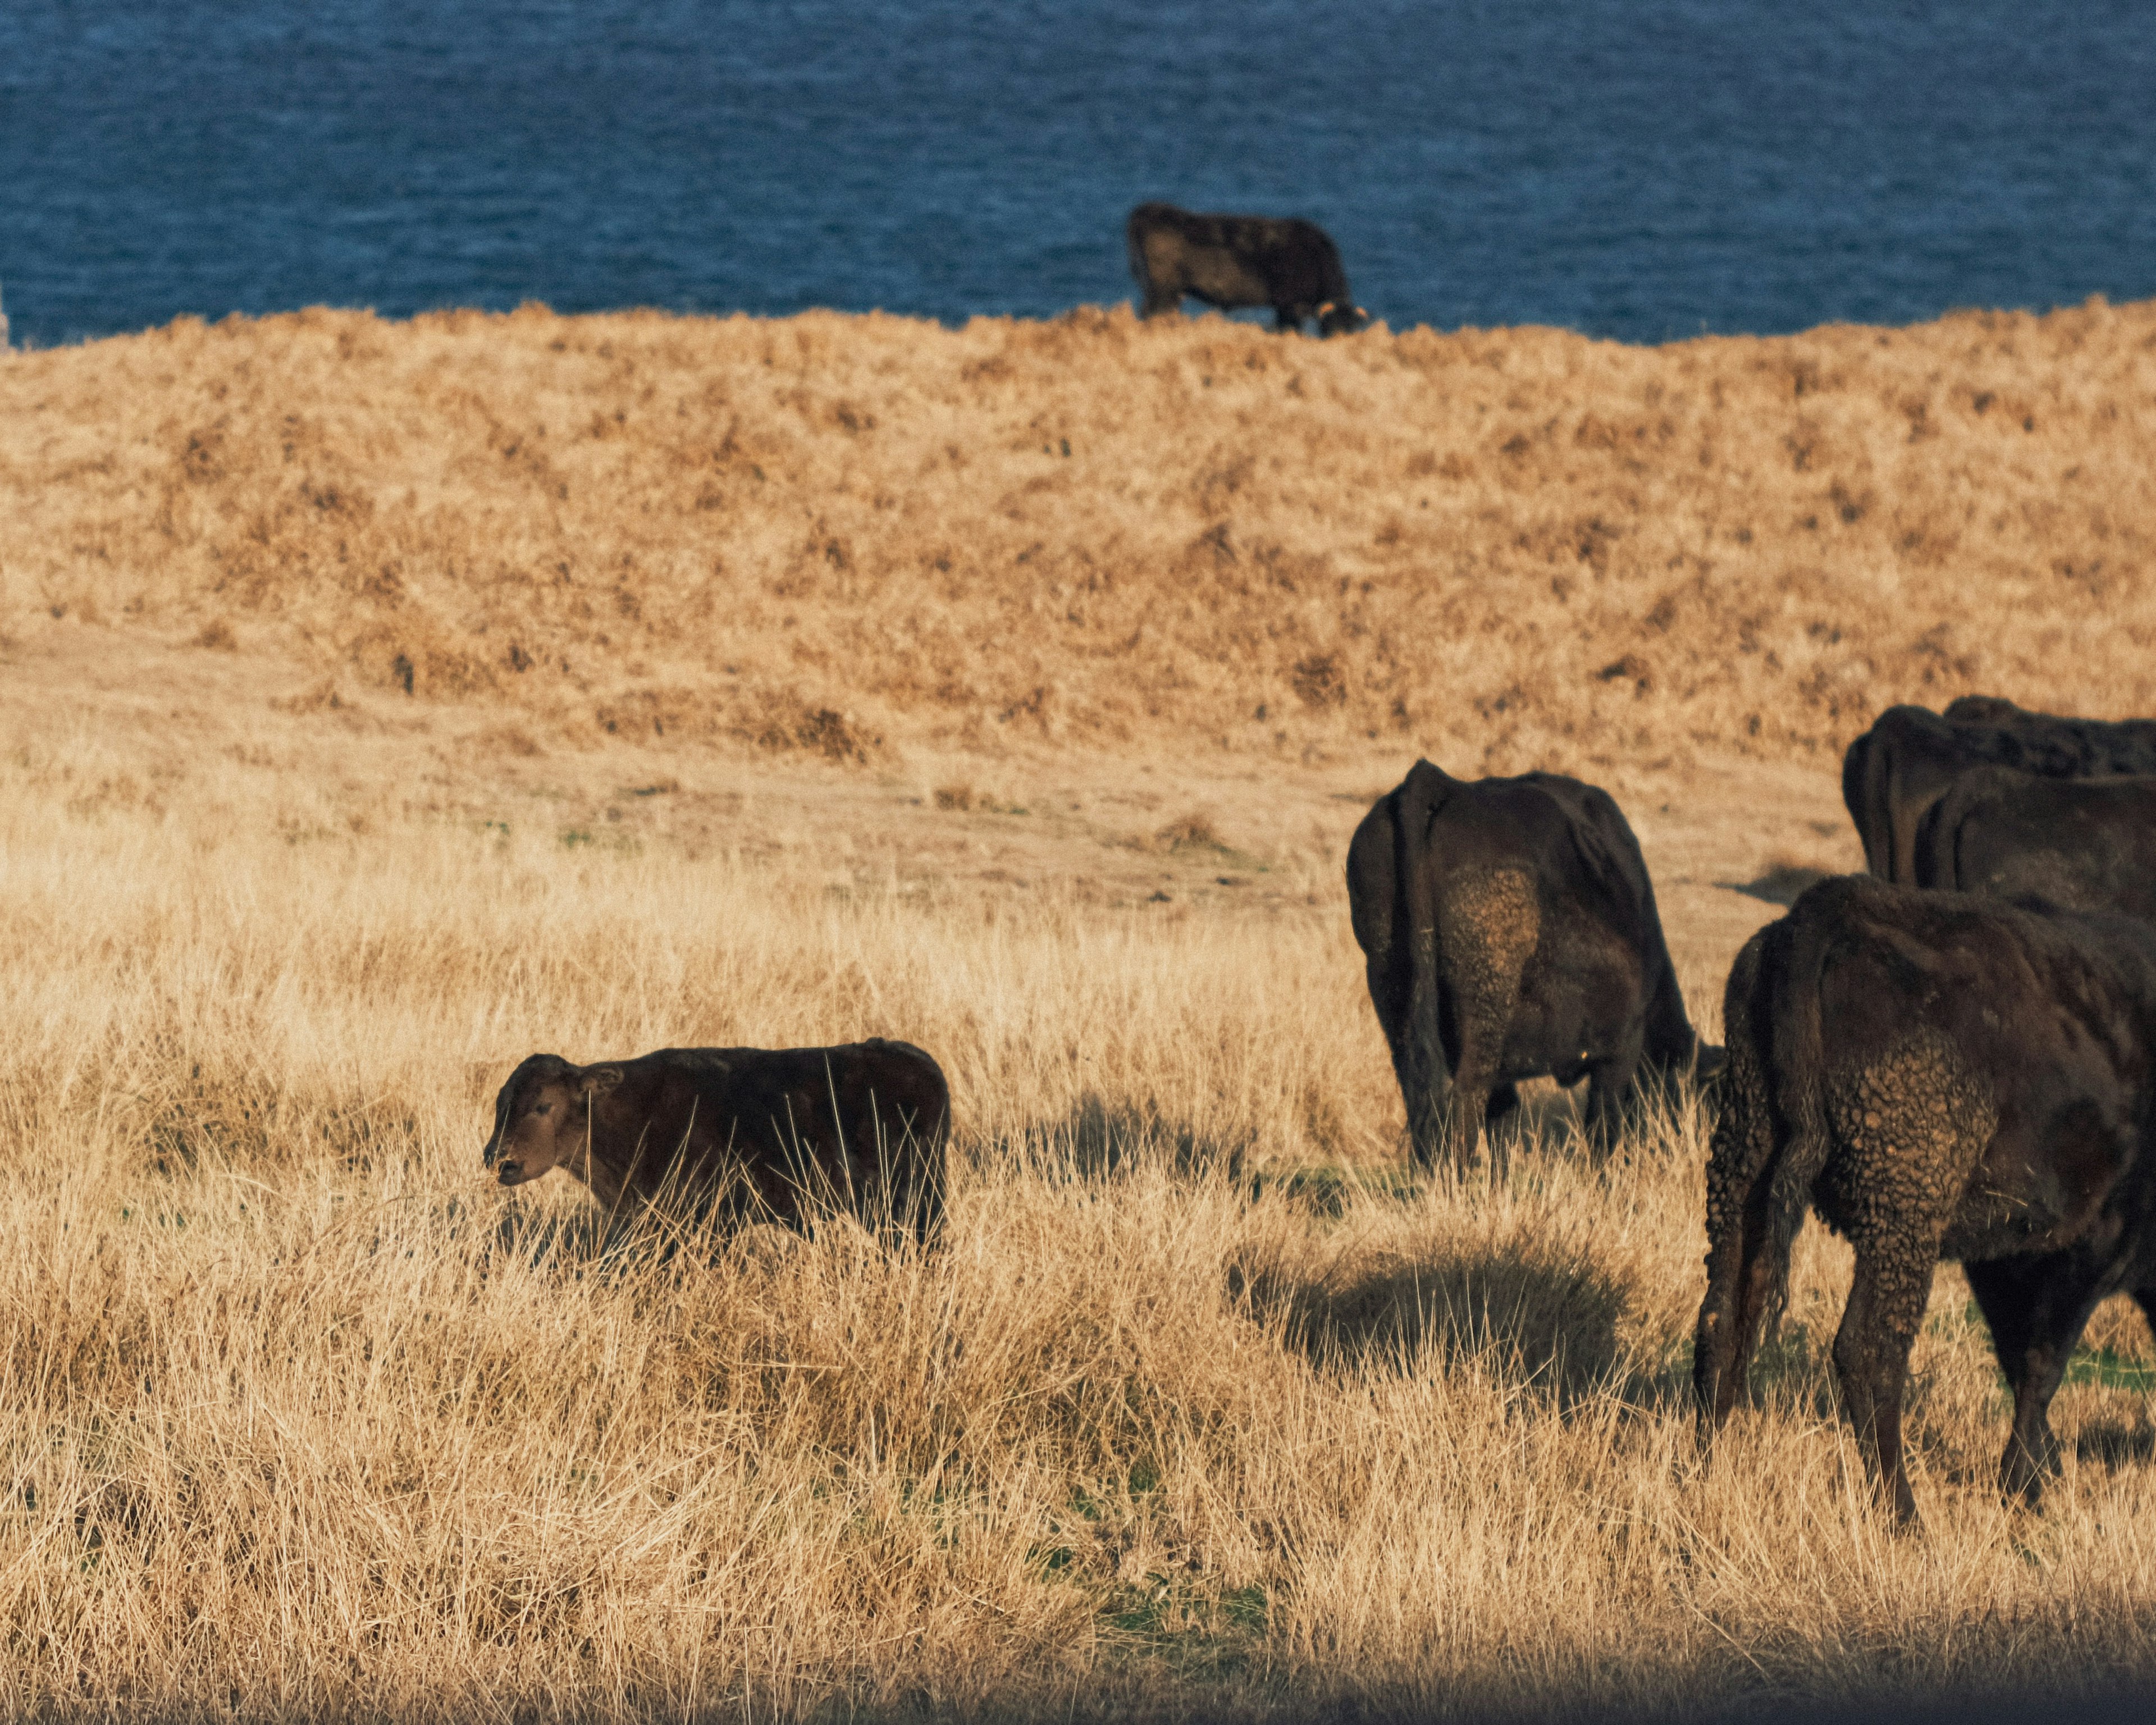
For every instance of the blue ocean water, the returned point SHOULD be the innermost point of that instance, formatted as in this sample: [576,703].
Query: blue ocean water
[1637,168]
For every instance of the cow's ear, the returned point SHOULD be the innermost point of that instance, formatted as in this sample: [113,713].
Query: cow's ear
[1326,310]
[600,1080]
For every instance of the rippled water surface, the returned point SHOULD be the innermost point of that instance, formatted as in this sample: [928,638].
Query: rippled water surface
[1640,168]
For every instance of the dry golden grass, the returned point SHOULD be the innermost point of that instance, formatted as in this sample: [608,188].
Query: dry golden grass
[1201,1408]
[844,535]
[1205,1409]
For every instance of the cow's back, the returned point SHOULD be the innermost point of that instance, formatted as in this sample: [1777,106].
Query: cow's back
[2083,843]
[2060,745]
[1894,775]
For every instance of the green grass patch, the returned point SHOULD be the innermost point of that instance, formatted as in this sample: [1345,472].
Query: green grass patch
[2111,1369]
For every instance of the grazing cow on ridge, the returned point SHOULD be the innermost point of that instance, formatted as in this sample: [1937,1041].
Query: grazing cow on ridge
[2080,844]
[1510,931]
[748,1134]
[1903,764]
[1231,261]
[1939,1075]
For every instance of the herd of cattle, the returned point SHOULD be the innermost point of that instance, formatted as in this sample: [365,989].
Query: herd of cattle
[1952,1056]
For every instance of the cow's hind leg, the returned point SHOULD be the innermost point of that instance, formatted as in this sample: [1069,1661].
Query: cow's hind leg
[1489,923]
[1909,1129]
[2036,1308]
[1746,1263]
[1886,1300]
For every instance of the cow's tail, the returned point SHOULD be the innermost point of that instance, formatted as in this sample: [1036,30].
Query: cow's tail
[1737,1163]
[1770,1142]
[1425,1076]
[1798,1077]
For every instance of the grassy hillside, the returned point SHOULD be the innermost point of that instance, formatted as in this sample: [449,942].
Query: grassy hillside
[842,534]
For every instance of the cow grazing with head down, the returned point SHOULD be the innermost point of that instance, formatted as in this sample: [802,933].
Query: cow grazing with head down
[2080,844]
[738,1134]
[1939,1075]
[1232,261]
[1509,930]
[1901,766]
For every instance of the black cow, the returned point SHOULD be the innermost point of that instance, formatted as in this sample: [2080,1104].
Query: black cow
[1510,932]
[2082,843]
[1939,1075]
[1229,261]
[746,1134]
[1903,764]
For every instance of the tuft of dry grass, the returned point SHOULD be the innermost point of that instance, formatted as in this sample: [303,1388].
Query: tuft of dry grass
[1205,1406]
[1191,832]
[840,537]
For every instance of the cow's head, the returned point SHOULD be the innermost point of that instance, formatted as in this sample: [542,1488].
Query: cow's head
[542,1116]
[1335,318]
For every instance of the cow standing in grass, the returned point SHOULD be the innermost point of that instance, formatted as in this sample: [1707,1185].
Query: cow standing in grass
[1233,261]
[1509,932]
[1939,1075]
[740,1135]
[1894,772]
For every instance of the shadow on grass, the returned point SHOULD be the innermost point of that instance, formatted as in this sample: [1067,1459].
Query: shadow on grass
[1099,1137]
[1545,1318]
[2111,1445]
[1783,884]
[1330,1190]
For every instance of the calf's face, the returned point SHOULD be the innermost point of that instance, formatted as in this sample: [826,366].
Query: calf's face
[542,1118]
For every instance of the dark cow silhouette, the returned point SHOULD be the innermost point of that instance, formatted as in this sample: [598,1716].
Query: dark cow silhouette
[1510,931]
[2082,843]
[1939,1075]
[745,1134]
[1230,261]
[1903,764]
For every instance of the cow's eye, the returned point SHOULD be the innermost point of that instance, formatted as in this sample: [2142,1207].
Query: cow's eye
[544,1108]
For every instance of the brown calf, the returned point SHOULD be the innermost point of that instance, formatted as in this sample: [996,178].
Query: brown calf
[743,1134]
